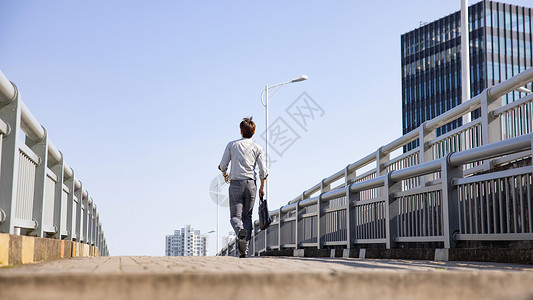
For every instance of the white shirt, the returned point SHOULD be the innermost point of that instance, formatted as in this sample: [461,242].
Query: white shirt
[244,156]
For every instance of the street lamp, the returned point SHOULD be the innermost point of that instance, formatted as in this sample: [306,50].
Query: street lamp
[218,208]
[265,100]
[213,231]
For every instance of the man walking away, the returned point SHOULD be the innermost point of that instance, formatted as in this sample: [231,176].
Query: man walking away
[244,155]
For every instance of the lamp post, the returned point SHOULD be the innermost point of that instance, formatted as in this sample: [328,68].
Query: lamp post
[465,57]
[213,231]
[218,208]
[268,96]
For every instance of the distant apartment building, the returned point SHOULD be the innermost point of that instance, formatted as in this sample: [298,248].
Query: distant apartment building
[186,242]
[500,47]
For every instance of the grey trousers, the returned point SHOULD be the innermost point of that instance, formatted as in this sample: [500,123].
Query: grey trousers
[241,203]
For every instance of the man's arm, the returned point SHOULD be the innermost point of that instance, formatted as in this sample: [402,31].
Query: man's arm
[263,172]
[262,187]
[224,163]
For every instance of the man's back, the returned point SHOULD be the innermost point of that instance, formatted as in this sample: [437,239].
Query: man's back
[244,155]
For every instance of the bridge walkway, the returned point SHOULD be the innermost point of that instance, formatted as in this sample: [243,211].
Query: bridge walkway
[142,277]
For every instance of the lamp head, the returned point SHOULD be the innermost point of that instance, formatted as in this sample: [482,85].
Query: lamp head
[301,78]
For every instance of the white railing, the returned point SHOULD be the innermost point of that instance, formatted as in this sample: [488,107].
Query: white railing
[445,190]
[38,190]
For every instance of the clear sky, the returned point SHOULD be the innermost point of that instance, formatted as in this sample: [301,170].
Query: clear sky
[142,97]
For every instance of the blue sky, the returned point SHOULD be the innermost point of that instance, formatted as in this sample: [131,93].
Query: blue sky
[142,96]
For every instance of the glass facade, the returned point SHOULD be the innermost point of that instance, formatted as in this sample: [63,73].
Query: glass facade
[500,47]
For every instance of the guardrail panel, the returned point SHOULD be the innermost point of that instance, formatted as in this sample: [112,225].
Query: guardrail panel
[501,206]
[308,225]
[288,235]
[272,235]
[420,214]
[25,187]
[48,218]
[370,220]
[517,121]
[64,207]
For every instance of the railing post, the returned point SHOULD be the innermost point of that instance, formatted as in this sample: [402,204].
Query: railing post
[57,169]
[10,114]
[351,221]
[491,128]
[93,227]
[425,152]
[79,216]
[349,176]
[97,229]
[381,159]
[351,199]
[69,182]
[89,219]
[392,210]
[98,226]
[279,228]
[85,203]
[39,193]
[265,234]
[296,225]
[254,242]
[92,221]
[450,201]
[320,219]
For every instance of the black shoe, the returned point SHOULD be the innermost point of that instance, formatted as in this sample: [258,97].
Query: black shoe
[242,243]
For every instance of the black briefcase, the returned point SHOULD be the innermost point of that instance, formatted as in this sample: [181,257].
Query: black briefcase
[264,216]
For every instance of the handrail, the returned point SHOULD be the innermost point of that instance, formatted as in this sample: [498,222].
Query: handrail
[505,147]
[454,113]
[7,90]
[510,84]
[399,142]
[36,134]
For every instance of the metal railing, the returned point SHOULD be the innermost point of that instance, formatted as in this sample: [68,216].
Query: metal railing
[446,190]
[39,194]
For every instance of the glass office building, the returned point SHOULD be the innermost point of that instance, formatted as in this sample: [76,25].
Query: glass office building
[500,47]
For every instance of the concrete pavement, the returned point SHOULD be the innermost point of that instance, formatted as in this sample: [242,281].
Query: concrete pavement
[141,277]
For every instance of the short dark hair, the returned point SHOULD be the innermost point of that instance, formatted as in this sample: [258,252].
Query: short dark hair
[247,127]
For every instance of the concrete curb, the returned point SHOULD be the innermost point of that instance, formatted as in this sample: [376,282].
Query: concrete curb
[18,250]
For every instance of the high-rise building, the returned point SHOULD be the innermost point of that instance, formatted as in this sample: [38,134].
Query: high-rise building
[500,47]
[186,242]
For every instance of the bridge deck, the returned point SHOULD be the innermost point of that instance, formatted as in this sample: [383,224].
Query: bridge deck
[263,278]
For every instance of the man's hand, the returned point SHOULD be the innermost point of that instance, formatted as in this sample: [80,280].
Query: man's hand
[226,177]
[262,187]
